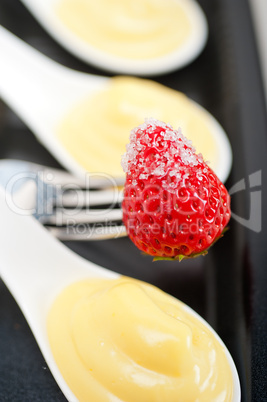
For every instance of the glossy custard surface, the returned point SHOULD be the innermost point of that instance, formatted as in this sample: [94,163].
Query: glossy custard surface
[125,340]
[96,131]
[138,30]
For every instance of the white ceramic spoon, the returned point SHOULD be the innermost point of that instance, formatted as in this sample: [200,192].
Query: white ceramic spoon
[36,271]
[38,267]
[42,92]
[44,12]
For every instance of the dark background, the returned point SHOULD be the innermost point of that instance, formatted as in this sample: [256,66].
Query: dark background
[228,286]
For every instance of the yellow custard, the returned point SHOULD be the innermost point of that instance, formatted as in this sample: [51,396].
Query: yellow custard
[124,340]
[131,29]
[95,131]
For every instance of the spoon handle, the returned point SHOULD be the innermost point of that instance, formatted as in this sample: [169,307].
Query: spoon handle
[23,76]
[37,88]
[33,264]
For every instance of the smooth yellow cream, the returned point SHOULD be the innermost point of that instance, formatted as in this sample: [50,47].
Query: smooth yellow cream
[125,340]
[96,131]
[130,29]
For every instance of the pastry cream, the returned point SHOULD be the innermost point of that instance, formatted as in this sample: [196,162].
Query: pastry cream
[95,131]
[124,340]
[131,29]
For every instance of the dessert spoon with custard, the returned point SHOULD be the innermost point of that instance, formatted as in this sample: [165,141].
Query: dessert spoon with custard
[106,337]
[84,120]
[144,37]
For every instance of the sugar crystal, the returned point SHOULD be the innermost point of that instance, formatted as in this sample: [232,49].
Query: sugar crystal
[173,153]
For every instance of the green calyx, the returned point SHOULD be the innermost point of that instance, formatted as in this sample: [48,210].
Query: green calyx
[181,257]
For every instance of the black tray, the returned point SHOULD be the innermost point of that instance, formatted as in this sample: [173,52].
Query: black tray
[227,287]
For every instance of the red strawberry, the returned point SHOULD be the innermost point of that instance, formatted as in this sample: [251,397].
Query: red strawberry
[174,205]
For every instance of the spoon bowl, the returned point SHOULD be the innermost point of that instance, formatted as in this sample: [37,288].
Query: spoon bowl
[42,267]
[44,12]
